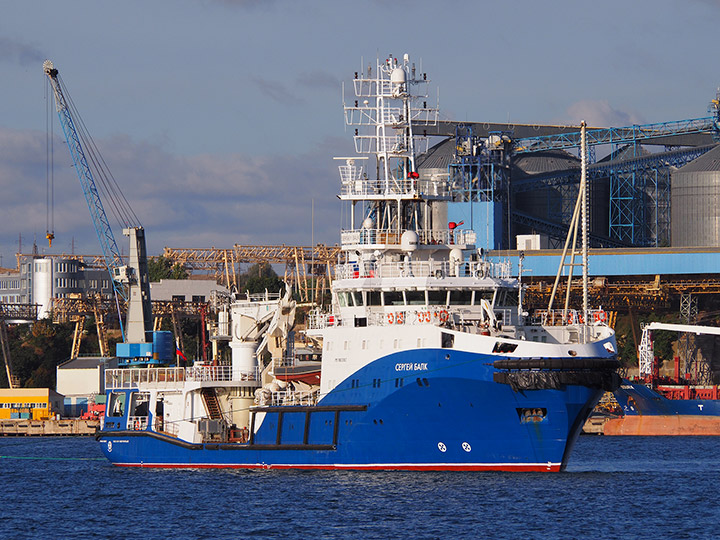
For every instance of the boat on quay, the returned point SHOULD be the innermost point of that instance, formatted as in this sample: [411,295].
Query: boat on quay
[428,360]
[656,406]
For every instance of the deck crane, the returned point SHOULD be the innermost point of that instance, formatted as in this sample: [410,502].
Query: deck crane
[140,346]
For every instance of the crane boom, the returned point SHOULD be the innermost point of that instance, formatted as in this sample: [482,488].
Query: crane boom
[105,235]
[140,344]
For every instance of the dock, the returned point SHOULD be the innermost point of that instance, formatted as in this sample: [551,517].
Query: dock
[48,428]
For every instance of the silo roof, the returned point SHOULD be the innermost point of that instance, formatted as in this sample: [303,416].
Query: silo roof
[544,162]
[708,162]
[439,156]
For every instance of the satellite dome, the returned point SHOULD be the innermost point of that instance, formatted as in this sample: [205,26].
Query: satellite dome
[409,241]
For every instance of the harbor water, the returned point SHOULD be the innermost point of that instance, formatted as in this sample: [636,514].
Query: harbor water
[614,487]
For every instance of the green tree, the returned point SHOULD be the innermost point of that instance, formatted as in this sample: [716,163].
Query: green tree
[259,278]
[162,268]
[37,349]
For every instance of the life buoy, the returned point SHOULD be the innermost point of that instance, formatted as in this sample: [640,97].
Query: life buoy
[438,273]
[136,425]
[443,316]
[400,318]
[391,318]
[600,316]
[480,273]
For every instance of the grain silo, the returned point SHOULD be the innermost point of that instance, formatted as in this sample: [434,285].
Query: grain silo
[695,202]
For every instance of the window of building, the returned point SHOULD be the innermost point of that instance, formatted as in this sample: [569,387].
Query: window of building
[198,298]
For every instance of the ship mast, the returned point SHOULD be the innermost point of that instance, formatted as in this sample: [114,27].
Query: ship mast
[389,111]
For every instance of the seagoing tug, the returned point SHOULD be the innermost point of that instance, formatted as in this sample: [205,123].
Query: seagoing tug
[425,360]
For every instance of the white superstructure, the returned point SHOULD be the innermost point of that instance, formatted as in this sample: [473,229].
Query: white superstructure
[408,280]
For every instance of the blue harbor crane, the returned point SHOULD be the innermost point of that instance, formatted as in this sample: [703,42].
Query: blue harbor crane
[140,346]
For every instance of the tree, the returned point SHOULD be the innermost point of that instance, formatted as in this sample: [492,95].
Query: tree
[259,278]
[37,349]
[162,268]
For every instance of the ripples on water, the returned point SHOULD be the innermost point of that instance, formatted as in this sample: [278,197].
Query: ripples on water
[615,487]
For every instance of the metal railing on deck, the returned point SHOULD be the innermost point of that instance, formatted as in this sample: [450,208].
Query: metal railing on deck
[288,398]
[137,423]
[165,377]
[221,373]
[133,377]
[393,237]
[438,269]
[561,317]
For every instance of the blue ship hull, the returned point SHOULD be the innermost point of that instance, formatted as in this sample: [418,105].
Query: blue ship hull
[418,409]
[638,399]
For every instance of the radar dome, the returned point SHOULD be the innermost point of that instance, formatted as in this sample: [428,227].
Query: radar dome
[409,241]
[397,76]
[456,255]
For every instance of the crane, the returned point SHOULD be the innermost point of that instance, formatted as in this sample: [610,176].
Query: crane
[140,346]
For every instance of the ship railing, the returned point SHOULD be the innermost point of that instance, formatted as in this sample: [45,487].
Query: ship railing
[318,320]
[258,297]
[164,377]
[221,373]
[137,423]
[561,317]
[437,269]
[288,398]
[380,237]
[392,144]
[169,428]
[134,377]
[362,187]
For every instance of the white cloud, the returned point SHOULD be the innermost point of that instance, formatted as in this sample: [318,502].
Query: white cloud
[195,202]
[600,114]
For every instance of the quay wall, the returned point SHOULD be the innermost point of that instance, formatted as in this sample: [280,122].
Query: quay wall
[48,428]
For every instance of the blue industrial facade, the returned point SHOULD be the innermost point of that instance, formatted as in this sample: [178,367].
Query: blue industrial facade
[621,262]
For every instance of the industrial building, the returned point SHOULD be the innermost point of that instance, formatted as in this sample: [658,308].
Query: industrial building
[30,403]
[40,279]
[652,185]
[80,380]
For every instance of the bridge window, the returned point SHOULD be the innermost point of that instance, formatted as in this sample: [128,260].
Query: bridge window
[374,298]
[116,404]
[506,298]
[140,402]
[415,298]
[461,298]
[437,298]
[393,298]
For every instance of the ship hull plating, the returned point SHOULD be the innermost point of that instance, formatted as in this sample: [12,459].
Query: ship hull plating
[415,410]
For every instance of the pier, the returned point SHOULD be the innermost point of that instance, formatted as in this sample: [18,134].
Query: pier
[48,428]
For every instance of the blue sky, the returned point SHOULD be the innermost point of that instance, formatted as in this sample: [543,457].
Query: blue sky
[220,118]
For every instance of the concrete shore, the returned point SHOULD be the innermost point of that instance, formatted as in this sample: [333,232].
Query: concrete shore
[48,428]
